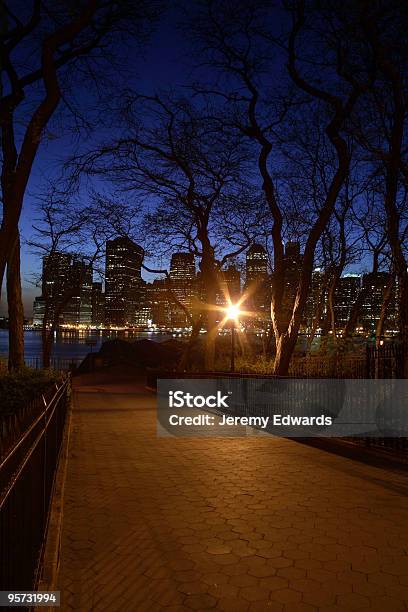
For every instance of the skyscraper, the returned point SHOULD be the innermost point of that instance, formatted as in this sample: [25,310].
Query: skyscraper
[38,311]
[229,285]
[375,285]
[292,267]
[346,294]
[182,285]
[316,300]
[55,278]
[123,284]
[160,302]
[257,282]
[182,267]
[256,264]
[143,310]
[98,304]
[66,291]
[78,310]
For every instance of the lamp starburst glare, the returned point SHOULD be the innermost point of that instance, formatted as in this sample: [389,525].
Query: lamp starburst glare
[233,312]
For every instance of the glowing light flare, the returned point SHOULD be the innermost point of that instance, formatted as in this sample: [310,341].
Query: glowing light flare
[233,311]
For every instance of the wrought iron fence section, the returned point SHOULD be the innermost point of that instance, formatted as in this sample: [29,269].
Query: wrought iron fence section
[27,472]
[57,363]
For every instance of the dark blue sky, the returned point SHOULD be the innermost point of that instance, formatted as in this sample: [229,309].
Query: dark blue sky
[164,62]
[161,63]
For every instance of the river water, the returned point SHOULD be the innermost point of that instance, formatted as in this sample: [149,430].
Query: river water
[73,344]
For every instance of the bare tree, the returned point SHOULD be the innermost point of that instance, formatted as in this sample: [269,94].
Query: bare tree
[337,266]
[310,164]
[15,309]
[385,306]
[371,223]
[193,315]
[42,49]
[383,132]
[191,173]
[240,42]
[73,235]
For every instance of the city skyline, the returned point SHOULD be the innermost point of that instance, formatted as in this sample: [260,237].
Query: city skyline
[123,299]
[31,271]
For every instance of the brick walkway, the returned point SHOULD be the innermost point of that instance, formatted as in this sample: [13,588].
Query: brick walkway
[231,524]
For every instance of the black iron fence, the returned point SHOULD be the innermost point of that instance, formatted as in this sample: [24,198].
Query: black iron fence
[386,361]
[329,366]
[57,363]
[28,462]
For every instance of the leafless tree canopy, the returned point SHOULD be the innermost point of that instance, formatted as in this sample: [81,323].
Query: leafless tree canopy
[291,127]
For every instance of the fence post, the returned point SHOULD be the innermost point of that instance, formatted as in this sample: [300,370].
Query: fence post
[368,361]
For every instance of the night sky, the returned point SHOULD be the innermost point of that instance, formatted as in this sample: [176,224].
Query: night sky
[163,62]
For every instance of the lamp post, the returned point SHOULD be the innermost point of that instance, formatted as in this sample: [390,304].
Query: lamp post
[232,315]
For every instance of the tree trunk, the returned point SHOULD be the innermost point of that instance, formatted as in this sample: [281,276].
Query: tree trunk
[210,338]
[379,332]
[355,313]
[284,351]
[318,315]
[185,362]
[403,317]
[328,322]
[267,341]
[324,337]
[286,342]
[47,349]
[50,326]
[381,322]
[15,310]
[330,306]
[210,281]
[356,308]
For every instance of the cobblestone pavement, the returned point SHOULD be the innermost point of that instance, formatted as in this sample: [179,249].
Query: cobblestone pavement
[225,524]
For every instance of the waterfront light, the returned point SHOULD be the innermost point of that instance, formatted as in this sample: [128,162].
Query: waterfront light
[233,312]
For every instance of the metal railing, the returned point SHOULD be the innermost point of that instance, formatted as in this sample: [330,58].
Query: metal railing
[325,393]
[386,361]
[27,473]
[57,363]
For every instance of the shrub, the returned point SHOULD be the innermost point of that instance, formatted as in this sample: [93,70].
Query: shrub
[19,388]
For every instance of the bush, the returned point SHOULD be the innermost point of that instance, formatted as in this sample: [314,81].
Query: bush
[19,388]
[257,365]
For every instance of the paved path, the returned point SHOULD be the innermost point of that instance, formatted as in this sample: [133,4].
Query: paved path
[231,524]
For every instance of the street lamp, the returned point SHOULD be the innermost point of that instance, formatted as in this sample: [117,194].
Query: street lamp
[233,313]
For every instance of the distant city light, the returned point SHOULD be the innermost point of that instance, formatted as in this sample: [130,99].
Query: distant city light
[169,304]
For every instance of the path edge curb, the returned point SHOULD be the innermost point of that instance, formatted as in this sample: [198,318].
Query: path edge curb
[51,560]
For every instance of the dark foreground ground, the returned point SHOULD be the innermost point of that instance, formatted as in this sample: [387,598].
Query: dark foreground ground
[228,524]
